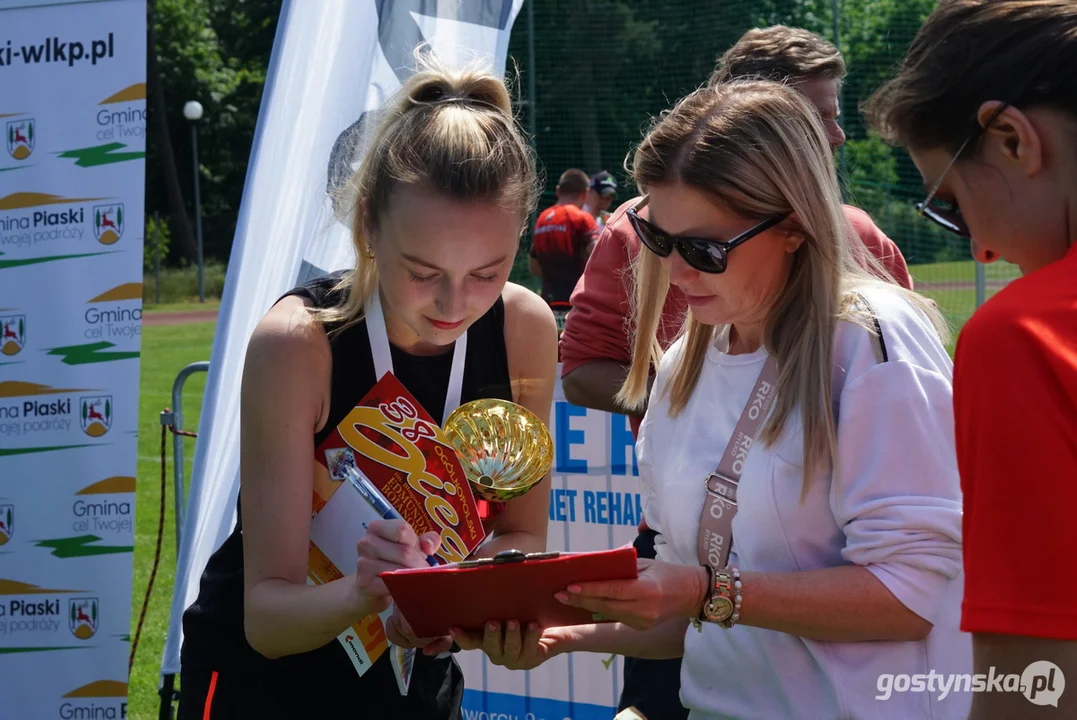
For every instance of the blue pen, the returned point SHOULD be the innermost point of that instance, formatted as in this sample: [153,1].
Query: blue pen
[372,495]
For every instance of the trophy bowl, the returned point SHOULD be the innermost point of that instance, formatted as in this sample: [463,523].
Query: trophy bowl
[504,448]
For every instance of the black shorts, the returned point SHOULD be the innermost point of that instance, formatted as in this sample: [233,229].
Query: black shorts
[212,695]
[652,686]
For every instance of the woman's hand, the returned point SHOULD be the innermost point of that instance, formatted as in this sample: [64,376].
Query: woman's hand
[399,632]
[513,648]
[661,592]
[387,545]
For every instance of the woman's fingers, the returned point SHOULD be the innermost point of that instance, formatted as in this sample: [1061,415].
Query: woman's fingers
[430,542]
[397,554]
[492,642]
[513,643]
[467,640]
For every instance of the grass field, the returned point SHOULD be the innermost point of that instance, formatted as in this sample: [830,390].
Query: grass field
[167,349]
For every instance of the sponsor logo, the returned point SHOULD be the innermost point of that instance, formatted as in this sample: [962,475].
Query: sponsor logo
[26,409]
[104,508]
[7,523]
[115,314]
[12,334]
[30,613]
[31,221]
[108,223]
[104,699]
[95,413]
[20,137]
[82,617]
[122,115]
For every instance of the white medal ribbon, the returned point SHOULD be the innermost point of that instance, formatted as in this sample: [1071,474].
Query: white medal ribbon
[383,358]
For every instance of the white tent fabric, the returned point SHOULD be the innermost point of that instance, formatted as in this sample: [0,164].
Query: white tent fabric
[332,61]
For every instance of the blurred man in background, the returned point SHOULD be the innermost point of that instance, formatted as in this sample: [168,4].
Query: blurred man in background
[563,239]
[600,196]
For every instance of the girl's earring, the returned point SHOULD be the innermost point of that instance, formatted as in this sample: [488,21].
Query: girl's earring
[370,252]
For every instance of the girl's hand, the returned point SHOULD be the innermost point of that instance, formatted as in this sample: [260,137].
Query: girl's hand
[516,648]
[662,591]
[387,545]
[399,632]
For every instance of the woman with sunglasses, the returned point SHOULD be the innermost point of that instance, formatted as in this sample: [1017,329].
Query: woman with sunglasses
[986,104]
[807,399]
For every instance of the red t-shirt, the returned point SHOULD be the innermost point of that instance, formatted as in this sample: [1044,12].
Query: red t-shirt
[562,234]
[1015,412]
[598,326]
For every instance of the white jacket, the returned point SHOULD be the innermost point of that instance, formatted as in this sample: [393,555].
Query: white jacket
[895,510]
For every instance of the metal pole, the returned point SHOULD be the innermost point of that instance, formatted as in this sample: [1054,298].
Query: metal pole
[981,284]
[198,215]
[531,71]
[157,258]
[836,12]
[177,440]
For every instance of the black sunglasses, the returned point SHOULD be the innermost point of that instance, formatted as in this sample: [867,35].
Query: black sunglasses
[948,215]
[708,256]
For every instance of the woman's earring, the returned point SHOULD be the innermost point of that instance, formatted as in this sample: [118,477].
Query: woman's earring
[369,252]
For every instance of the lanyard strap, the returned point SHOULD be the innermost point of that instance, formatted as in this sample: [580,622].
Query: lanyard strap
[720,503]
[383,358]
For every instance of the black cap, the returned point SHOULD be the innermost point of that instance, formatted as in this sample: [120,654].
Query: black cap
[603,184]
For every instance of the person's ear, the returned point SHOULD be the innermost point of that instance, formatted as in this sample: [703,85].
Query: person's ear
[1014,136]
[793,240]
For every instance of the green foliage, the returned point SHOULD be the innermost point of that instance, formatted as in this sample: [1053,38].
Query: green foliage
[216,52]
[158,238]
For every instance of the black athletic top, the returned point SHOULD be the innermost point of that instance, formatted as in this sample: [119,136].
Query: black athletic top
[214,638]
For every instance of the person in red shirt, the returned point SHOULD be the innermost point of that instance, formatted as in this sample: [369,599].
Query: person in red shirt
[596,346]
[986,104]
[596,343]
[563,239]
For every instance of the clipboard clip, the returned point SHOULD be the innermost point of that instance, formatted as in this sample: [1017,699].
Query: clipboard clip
[506,557]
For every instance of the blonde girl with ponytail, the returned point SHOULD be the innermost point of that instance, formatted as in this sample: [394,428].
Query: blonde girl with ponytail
[438,205]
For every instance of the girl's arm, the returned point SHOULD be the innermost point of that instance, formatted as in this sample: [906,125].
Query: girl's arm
[284,400]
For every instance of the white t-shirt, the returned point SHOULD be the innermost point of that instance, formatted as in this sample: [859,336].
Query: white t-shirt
[895,510]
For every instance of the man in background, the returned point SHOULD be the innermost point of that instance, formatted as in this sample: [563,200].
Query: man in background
[563,239]
[600,196]
[596,346]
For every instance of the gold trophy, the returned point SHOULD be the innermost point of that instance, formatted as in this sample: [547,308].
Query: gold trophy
[504,448]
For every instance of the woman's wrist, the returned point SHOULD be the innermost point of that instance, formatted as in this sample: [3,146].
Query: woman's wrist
[698,591]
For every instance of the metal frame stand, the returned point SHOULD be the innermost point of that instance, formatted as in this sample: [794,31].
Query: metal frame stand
[174,419]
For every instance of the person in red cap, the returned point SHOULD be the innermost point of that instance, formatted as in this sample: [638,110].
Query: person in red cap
[600,196]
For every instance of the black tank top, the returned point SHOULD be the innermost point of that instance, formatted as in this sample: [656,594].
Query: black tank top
[214,638]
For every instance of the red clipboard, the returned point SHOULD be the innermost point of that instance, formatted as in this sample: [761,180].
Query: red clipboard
[510,586]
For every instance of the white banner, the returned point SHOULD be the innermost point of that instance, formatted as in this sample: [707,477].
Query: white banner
[72,113]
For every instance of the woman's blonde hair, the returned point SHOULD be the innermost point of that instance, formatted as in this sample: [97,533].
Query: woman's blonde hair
[451,132]
[759,149]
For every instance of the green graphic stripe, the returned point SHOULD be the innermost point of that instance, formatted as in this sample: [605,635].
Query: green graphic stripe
[101,155]
[91,353]
[82,546]
[27,451]
[17,167]
[13,362]
[12,651]
[5,264]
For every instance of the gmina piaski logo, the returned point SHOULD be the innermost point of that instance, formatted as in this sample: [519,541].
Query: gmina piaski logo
[12,334]
[104,699]
[34,220]
[7,522]
[20,137]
